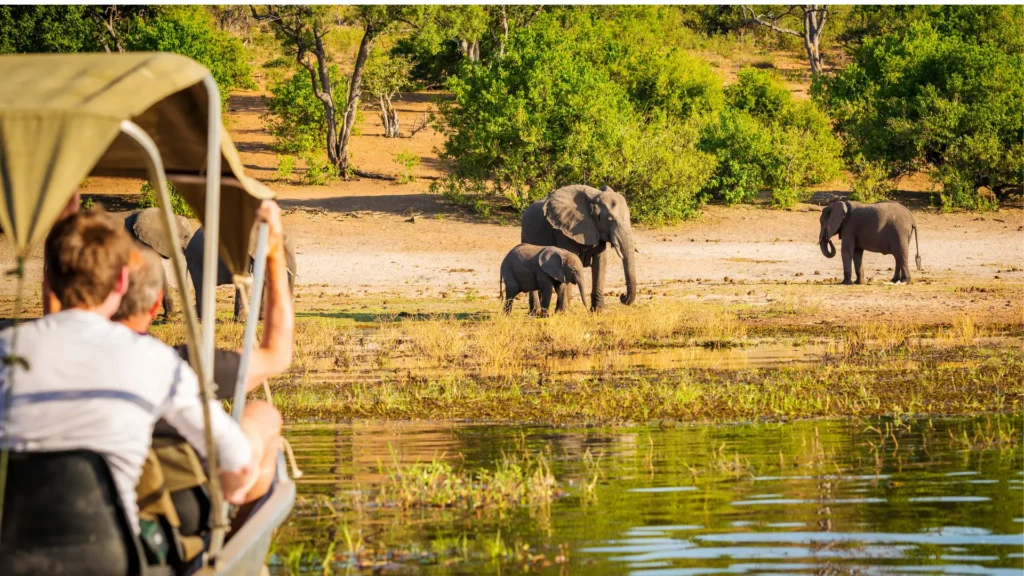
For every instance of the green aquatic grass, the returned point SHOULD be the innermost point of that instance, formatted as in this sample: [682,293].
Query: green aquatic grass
[932,383]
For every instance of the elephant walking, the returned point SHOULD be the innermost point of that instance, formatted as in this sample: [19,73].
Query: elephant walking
[883,227]
[583,221]
[147,227]
[545,269]
[194,261]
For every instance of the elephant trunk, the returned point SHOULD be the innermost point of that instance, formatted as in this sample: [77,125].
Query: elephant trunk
[624,246]
[583,297]
[827,248]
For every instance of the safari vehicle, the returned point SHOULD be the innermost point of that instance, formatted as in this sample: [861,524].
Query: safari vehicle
[154,116]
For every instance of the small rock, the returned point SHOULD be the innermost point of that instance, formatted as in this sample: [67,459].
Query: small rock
[411,219]
[798,274]
[817,273]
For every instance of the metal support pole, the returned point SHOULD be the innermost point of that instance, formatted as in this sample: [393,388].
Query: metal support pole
[211,258]
[255,300]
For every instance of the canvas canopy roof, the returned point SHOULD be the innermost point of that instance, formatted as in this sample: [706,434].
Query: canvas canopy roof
[60,118]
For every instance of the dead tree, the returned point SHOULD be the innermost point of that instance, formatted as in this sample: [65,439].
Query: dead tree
[815,17]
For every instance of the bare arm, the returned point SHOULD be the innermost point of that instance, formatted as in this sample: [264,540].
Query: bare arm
[274,355]
[238,450]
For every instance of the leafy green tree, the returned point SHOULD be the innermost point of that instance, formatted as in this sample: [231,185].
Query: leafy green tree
[553,111]
[296,115]
[302,29]
[44,28]
[930,97]
[443,37]
[189,31]
[186,30]
[385,76]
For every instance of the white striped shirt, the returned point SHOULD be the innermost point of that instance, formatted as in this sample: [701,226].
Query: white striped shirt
[94,384]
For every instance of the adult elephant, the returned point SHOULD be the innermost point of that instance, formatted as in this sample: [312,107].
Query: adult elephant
[584,220]
[194,262]
[147,227]
[883,227]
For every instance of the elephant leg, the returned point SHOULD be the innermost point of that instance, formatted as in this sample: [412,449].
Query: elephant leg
[847,262]
[534,304]
[240,315]
[509,298]
[545,298]
[197,285]
[597,280]
[168,300]
[561,300]
[858,258]
[903,264]
[511,291]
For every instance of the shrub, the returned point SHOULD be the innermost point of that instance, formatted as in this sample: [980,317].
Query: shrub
[189,30]
[319,172]
[285,165]
[871,182]
[662,170]
[407,162]
[764,140]
[555,110]
[932,97]
[178,203]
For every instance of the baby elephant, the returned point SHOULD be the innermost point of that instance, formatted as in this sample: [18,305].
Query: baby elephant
[545,268]
[883,227]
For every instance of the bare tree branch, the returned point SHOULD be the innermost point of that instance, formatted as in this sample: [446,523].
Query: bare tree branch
[768,21]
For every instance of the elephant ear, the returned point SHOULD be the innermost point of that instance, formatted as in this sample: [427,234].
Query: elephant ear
[551,263]
[568,209]
[149,229]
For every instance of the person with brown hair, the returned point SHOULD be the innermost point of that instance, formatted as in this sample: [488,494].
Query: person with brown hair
[76,380]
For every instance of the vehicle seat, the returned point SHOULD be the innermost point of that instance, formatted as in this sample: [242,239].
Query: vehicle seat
[62,515]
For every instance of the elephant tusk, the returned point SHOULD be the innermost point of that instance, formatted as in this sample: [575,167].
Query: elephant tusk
[618,251]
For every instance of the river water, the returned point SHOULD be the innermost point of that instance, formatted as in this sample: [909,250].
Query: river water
[847,496]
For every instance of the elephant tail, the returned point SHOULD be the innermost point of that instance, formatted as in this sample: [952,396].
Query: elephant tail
[501,290]
[917,247]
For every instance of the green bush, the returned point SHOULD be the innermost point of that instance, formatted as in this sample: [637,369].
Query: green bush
[319,172]
[296,116]
[178,203]
[931,97]
[189,30]
[871,182]
[766,141]
[285,165]
[662,170]
[407,162]
[555,110]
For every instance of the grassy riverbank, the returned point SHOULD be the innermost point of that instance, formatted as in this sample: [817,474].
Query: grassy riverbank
[482,366]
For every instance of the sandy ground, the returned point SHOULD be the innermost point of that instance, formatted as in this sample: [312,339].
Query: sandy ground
[375,238]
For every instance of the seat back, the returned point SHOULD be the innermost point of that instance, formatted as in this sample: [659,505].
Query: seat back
[62,515]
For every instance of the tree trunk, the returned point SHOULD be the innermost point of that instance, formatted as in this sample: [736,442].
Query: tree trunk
[389,117]
[504,32]
[354,89]
[396,131]
[324,90]
[812,38]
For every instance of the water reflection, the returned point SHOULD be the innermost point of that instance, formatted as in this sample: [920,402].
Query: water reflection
[937,496]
